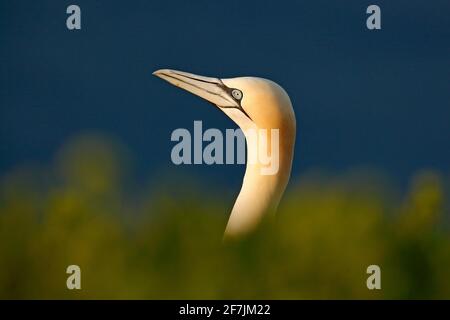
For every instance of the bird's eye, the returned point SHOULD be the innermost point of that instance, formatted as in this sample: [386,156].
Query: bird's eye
[237,94]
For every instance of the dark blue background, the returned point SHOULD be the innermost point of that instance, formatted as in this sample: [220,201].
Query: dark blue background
[362,98]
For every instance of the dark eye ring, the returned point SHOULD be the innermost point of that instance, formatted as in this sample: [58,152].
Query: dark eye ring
[237,94]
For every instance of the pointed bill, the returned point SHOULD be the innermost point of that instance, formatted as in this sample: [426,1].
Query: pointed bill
[210,89]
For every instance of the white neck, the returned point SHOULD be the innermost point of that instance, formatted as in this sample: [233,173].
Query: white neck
[260,194]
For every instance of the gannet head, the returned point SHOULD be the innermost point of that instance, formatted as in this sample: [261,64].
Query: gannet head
[249,101]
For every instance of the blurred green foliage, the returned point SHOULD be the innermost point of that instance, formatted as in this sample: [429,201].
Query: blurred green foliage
[155,246]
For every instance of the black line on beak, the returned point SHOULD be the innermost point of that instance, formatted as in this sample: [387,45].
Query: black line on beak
[219,84]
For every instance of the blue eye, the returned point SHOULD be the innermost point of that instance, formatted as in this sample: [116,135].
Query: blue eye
[237,94]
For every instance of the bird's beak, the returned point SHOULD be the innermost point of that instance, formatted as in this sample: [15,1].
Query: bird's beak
[210,89]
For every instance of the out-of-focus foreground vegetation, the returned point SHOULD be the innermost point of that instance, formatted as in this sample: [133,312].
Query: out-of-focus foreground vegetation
[149,244]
